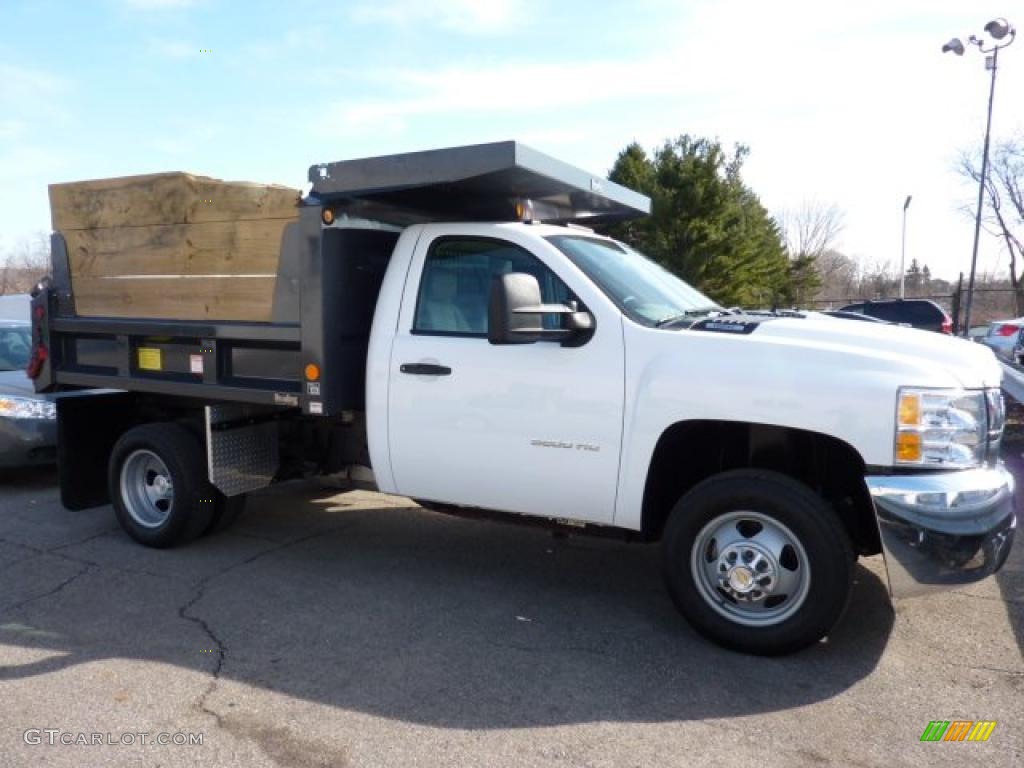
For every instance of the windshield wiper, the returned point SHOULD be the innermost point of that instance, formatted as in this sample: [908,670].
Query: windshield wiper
[686,314]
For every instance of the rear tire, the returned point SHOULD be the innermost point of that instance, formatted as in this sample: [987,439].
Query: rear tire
[226,511]
[158,485]
[757,562]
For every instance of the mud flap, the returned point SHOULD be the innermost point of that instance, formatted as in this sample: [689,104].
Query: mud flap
[88,425]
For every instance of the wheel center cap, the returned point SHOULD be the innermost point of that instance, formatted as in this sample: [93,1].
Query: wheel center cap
[741,578]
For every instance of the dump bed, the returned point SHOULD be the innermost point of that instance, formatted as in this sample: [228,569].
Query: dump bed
[224,291]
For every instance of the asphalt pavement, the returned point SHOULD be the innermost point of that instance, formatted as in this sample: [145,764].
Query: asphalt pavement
[332,629]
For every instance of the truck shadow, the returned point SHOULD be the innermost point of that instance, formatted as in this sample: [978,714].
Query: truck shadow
[420,617]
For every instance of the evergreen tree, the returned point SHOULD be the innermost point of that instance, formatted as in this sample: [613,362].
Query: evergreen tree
[706,225]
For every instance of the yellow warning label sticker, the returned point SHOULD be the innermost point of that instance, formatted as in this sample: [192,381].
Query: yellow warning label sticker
[150,359]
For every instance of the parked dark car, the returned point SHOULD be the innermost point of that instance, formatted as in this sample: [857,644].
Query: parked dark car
[919,313]
[28,421]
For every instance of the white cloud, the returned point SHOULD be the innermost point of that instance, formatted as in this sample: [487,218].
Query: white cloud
[23,86]
[11,129]
[155,5]
[187,142]
[174,49]
[513,87]
[857,105]
[464,16]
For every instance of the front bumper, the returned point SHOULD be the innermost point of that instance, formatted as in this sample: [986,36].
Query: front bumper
[27,442]
[942,529]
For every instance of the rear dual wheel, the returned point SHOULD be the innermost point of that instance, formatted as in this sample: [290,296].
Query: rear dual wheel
[158,485]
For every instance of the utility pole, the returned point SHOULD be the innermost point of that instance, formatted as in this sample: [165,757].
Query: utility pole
[903,251]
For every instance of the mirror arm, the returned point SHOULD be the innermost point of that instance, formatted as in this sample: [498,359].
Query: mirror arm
[545,309]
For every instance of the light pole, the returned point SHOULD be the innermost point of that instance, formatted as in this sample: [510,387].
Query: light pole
[998,29]
[903,251]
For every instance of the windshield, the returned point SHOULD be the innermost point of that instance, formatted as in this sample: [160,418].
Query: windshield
[647,292]
[14,347]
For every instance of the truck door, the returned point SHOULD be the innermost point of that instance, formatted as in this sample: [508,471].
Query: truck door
[532,428]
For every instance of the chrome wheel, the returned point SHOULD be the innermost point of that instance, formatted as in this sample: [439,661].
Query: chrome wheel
[147,489]
[750,568]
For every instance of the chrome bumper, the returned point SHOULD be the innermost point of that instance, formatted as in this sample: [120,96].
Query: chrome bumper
[945,528]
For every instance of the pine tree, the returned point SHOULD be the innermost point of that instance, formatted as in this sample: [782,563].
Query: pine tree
[706,225]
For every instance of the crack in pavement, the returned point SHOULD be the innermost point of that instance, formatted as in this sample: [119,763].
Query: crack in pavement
[56,552]
[49,593]
[19,545]
[222,650]
[111,529]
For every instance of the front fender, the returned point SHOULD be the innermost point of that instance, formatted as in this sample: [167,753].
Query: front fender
[848,393]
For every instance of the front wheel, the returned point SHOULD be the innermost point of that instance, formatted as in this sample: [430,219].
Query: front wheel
[757,562]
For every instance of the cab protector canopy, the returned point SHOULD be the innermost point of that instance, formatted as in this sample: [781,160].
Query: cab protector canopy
[503,181]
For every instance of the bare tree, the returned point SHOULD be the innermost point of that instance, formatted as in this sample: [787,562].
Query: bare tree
[23,265]
[812,229]
[1003,213]
[840,275]
[811,233]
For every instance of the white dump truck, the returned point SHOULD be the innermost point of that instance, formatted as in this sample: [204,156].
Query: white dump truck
[445,325]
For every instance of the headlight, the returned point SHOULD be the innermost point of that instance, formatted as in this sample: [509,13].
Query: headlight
[941,427]
[27,408]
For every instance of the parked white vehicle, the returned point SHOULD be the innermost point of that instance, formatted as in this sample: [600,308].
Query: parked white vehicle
[546,371]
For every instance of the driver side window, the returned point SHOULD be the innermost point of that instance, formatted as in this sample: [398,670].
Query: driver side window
[456,284]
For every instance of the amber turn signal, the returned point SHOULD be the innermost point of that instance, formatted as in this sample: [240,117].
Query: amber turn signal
[910,410]
[908,446]
[312,372]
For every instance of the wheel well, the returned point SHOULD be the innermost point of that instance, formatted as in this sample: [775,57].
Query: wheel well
[692,451]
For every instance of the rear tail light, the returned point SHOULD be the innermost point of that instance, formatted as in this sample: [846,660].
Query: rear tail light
[1007,329]
[35,364]
[947,325]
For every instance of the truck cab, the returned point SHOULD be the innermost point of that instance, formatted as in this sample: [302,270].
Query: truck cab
[448,328]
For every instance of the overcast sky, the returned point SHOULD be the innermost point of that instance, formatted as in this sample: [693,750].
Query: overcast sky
[849,103]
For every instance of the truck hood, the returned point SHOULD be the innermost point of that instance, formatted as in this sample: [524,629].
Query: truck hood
[968,364]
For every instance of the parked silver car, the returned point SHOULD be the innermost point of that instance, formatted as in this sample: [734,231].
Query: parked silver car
[28,426]
[1004,337]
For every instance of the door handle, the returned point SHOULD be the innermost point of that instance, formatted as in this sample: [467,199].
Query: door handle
[425,369]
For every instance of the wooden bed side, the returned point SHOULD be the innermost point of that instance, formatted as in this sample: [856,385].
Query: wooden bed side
[165,198]
[173,245]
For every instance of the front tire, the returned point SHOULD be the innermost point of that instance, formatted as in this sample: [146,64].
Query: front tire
[757,562]
[158,485]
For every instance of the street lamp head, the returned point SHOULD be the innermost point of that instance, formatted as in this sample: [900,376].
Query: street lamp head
[906,203]
[999,28]
[955,46]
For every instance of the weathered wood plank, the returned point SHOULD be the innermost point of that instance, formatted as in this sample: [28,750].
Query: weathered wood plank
[215,248]
[165,198]
[177,298]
